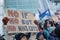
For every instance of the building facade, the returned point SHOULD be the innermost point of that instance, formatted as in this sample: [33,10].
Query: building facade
[24,5]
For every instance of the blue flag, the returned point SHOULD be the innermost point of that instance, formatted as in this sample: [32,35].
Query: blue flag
[46,13]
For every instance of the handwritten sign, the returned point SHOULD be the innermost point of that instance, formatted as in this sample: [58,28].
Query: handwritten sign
[20,21]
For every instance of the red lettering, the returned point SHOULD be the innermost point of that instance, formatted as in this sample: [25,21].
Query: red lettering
[12,13]
[14,21]
[16,14]
[11,28]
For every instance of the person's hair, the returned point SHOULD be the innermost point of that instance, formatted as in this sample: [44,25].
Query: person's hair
[45,24]
[40,25]
[56,24]
[38,34]
[52,23]
[19,36]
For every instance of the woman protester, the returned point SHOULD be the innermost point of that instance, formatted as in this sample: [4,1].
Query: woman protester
[46,27]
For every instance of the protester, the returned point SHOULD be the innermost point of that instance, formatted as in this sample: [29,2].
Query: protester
[46,27]
[39,36]
[52,34]
[51,30]
[57,31]
[40,27]
[21,36]
[28,35]
[5,22]
[2,37]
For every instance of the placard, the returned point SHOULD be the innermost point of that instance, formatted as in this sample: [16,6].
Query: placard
[20,21]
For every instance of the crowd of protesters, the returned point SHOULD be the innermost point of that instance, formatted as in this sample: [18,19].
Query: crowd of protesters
[49,31]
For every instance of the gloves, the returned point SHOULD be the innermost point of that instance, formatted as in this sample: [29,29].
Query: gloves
[5,20]
[35,22]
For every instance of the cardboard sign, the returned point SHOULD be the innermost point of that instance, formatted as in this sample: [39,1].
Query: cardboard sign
[20,21]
